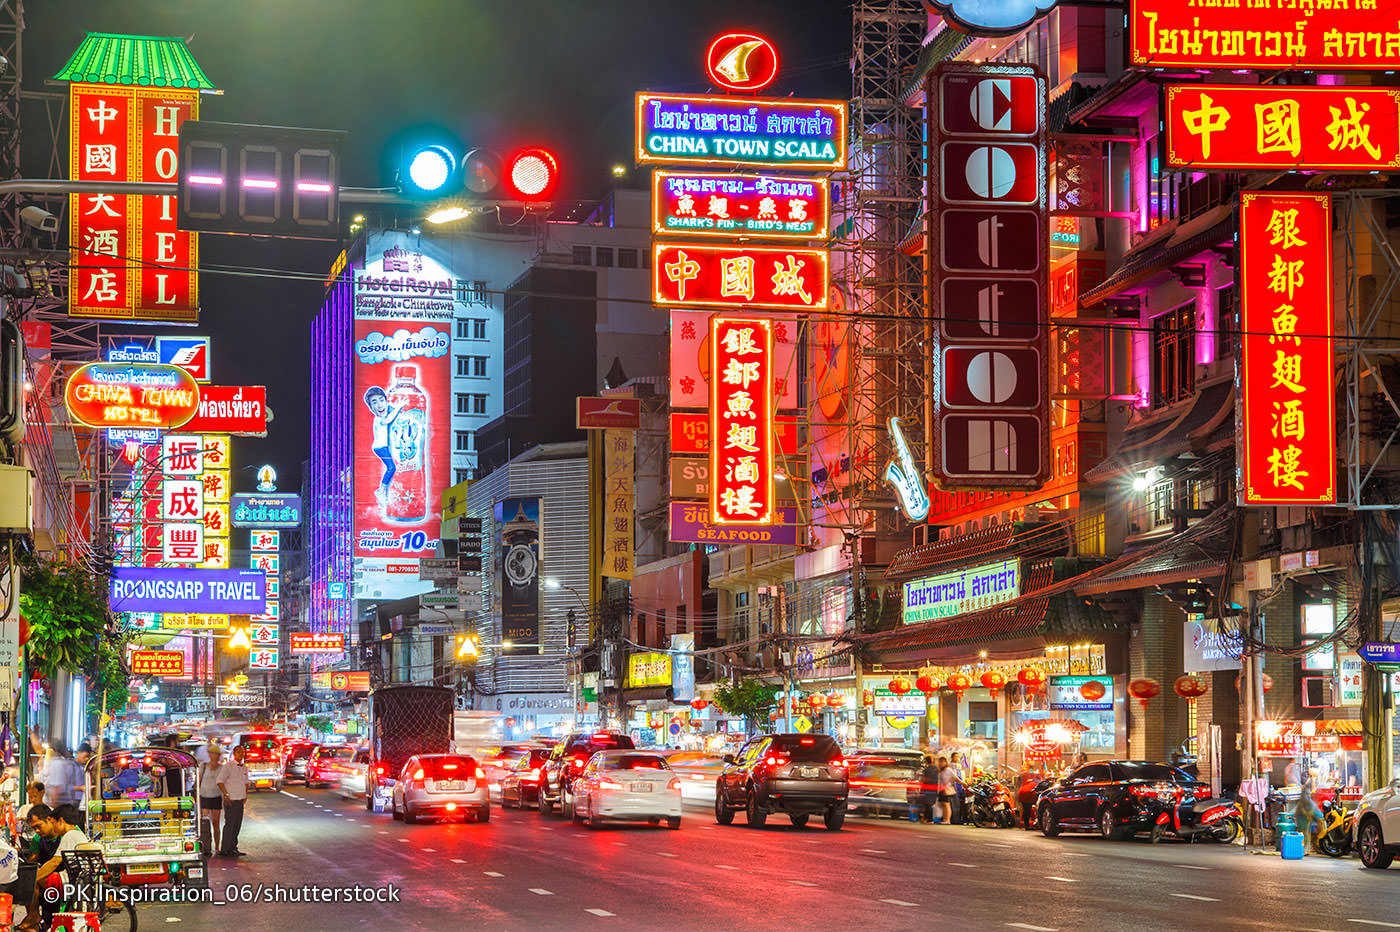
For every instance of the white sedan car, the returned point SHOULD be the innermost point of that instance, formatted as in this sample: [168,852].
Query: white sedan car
[625,784]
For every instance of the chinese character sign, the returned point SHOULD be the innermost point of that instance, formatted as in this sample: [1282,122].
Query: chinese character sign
[129,261]
[713,204]
[620,501]
[1249,127]
[1287,410]
[690,359]
[741,421]
[739,276]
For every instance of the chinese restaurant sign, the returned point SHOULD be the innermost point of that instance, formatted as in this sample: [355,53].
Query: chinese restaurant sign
[739,276]
[1274,34]
[157,663]
[620,503]
[128,260]
[307,642]
[805,134]
[690,525]
[741,421]
[1287,411]
[765,206]
[1249,127]
[690,359]
[144,395]
[988,229]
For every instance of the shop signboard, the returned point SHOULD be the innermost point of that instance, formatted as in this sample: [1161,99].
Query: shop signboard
[230,409]
[892,705]
[1380,653]
[1081,693]
[741,130]
[200,591]
[690,524]
[150,707]
[1349,667]
[1287,408]
[604,413]
[741,422]
[262,658]
[190,353]
[518,525]
[157,663]
[648,668]
[316,642]
[1205,646]
[737,276]
[690,362]
[954,593]
[341,680]
[759,206]
[246,697]
[682,667]
[147,396]
[260,509]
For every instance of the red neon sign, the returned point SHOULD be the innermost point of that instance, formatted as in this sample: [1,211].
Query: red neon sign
[762,206]
[302,642]
[1288,417]
[230,409]
[742,61]
[741,421]
[739,276]
[157,663]
[119,394]
[1169,32]
[1249,127]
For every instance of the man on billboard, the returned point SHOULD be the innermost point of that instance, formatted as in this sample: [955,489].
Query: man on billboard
[377,400]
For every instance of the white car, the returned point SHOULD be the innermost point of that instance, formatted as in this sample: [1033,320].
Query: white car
[1377,826]
[625,784]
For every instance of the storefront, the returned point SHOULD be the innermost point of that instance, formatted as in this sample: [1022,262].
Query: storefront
[1326,754]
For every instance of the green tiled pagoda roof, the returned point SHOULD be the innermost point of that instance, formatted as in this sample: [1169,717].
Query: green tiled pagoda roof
[134,61]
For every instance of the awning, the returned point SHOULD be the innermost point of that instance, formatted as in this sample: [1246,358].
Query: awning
[1211,229]
[134,61]
[1024,540]
[1199,552]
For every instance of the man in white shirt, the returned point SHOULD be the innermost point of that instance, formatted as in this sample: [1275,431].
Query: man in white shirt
[60,823]
[233,788]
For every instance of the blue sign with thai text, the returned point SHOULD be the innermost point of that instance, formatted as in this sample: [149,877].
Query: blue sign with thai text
[741,131]
[193,591]
[258,509]
[1380,652]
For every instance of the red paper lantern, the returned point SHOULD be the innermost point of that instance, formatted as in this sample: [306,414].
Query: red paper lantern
[1093,690]
[1143,690]
[959,683]
[772,716]
[1268,680]
[1190,687]
[699,704]
[510,723]
[994,680]
[1031,677]
[867,697]
[816,700]
[927,683]
[900,685]
[835,700]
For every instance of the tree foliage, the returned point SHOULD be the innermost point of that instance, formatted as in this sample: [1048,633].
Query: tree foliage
[748,697]
[321,724]
[66,606]
[112,677]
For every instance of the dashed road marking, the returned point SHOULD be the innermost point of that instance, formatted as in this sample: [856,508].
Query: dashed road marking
[541,891]
[666,854]
[383,831]
[1027,925]
[802,883]
[285,793]
[873,850]
[1075,854]
[1376,922]
[1191,867]
[1061,879]
[457,860]
[899,903]
[960,864]
[599,912]
[996,844]
[726,867]
[428,850]
[493,873]
[403,841]
[619,844]
[1192,896]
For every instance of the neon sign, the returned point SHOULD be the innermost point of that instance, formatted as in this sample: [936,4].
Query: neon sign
[992,17]
[685,275]
[136,395]
[807,134]
[741,421]
[904,474]
[1267,126]
[1288,417]
[713,204]
[742,61]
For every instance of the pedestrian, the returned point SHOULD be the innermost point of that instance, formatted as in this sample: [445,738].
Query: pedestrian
[233,790]
[59,776]
[1080,759]
[35,792]
[955,763]
[947,781]
[81,758]
[927,796]
[211,798]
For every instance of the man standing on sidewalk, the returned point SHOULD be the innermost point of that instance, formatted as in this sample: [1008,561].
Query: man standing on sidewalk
[233,787]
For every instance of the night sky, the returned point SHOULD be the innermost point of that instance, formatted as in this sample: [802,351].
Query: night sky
[499,73]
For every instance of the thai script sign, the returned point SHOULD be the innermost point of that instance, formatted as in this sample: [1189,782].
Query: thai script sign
[949,594]
[256,509]
[808,134]
[139,395]
[201,591]
[741,421]
[690,524]
[784,279]
[230,409]
[648,669]
[157,663]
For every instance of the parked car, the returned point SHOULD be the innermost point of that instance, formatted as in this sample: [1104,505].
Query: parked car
[567,761]
[1377,826]
[320,766]
[631,785]
[296,757]
[520,787]
[791,773]
[352,771]
[1114,798]
[441,785]
[882,781]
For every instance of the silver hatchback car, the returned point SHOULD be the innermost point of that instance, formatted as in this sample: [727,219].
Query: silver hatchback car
[441,785]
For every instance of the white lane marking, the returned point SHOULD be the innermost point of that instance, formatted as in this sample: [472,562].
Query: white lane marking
[383,831]
[1075,854]
[493,874]
[1375,922]
[173,919]
[873,850]
[1027,925]
[541,891]
[995,844]
[285,793]
[619,844]
[666,854]
[1062,879]
[599,912]
[899,903]
[960,864]
[802,883]
[457,861]
[1192,896]
[1191,867]
[726,867]
[428,850]
[403,841]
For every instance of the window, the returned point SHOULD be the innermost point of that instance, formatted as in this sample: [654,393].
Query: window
[1163,188]
[464,328]
[1174,355]
[627,258]
[661,628]
[1227,326]
[478,365]
[583,255]
[471,365]
[680,619]
[464,365]
[604,256]
[1159,504]
[461,475]
[478,404]
[464,403]
[465,440]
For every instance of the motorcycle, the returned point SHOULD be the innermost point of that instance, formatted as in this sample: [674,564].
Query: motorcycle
[1190,818]
[990,802]
[1334,839]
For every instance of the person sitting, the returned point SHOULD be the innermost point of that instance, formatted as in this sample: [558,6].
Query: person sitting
[61,825]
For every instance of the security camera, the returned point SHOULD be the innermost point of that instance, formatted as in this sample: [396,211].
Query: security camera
[39,219]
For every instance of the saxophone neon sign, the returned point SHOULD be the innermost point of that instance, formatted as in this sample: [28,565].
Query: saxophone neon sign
[905,475]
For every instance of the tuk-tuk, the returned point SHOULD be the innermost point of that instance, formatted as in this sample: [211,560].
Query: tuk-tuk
[143,809]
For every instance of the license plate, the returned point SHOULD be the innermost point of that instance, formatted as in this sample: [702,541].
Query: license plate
[641,787]
[450,785]
[999,807]
[143,868]
[194,872]
[806,771]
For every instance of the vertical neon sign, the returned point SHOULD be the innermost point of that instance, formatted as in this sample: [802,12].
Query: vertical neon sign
[741,421]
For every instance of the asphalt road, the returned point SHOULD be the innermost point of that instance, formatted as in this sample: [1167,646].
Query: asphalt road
[522,871]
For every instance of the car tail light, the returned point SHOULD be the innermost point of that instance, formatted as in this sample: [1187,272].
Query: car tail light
[531,774]
[807,741]
[418,774]
[379,769]
[480,774]
[839,763]
[774,760]
[576,763]
[451,807]
[606,784]
[449,766]
[600,736]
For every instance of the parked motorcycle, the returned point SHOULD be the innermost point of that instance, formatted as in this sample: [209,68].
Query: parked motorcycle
[1334,839]
[990,802]
[1190,818]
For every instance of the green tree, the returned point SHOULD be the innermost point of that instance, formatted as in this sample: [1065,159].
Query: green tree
[748,697]
[66,606]
[321,724]
[112,677]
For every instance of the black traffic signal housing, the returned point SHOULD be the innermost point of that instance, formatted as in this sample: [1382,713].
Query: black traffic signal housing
[270,180]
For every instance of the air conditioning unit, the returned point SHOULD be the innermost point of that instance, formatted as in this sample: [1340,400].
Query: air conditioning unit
[16,504]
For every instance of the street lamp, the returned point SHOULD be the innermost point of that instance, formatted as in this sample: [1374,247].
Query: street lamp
[576,681]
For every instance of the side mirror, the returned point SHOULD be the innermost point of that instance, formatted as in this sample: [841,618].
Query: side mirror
[728,758]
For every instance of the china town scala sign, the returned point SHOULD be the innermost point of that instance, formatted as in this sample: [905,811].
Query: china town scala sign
[148,395]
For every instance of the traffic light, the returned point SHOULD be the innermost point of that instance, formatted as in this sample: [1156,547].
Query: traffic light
[273,180]
[437,171]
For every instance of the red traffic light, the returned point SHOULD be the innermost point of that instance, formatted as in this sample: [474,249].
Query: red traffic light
[531,175]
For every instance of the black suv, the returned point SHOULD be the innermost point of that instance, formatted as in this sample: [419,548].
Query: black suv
[796,774]
[567,761]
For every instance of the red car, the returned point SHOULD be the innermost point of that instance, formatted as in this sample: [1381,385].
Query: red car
[320,766]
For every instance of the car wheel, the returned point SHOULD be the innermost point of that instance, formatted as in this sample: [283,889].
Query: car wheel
[674,822]
[1372,846]
[1048,826]
[369,801]
[1107,830]
[394,810]
[653,820]
[576,817]
[755,816]
[798,820]
[542,801]
[835,818]
[409,818]
[483,814]
[566,800]
[724,813]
